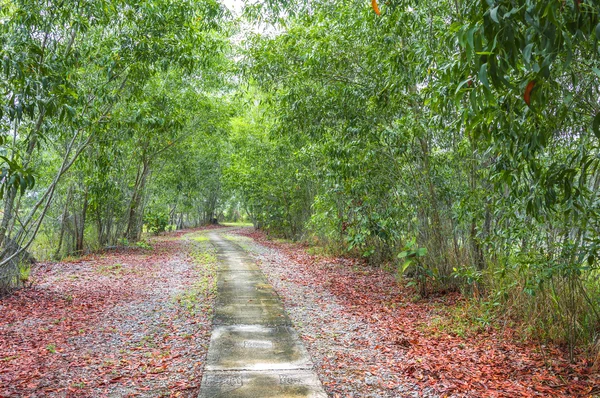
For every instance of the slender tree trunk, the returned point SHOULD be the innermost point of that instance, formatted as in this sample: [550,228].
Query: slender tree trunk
[436,228]
[81,231]
[63,223]
[99,227]
[133,223]
[9,202]
[75,232]
[172,214]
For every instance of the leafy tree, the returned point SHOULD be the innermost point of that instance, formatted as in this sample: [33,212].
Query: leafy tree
[65,68]
[455,140]
[466,128]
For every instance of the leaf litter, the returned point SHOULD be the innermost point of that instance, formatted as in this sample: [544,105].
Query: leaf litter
[369,338]
[130,322]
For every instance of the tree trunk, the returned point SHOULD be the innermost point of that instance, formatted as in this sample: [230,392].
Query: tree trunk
[9,202]
[81,230]
[133,223]
[437,227]
[63,223]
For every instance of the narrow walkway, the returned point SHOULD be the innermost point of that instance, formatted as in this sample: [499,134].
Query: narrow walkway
[253,352]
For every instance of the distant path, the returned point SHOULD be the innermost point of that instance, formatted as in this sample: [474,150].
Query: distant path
[253,352]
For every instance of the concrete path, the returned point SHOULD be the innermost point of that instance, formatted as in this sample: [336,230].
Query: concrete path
[254,352]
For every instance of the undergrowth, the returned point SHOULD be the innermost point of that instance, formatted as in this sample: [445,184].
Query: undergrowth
[561,307]
[197,298]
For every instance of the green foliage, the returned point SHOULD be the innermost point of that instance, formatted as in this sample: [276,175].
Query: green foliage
[15,176]
[156,221]
[270,181]
[51,348]
[471,129]
[93,92]
[471,126]
[24,273]
[411,254]
[142,244]
[414,256]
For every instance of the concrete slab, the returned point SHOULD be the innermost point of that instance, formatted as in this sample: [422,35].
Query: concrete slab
[255,347]
[235,264]
[253,350]
[263,313]
[248,294]
[251,319]
[238,278]
[276,384]
[233,289]
[253,299]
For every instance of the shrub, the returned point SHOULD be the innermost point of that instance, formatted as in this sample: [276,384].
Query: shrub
[156,222]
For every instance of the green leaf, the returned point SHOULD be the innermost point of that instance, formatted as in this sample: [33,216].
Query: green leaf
[596,125]
[494,14]
[461,85]
[483,76]
[470,42]
[527,52]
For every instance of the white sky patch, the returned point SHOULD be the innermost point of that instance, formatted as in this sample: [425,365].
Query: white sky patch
[235,6]
[246,27]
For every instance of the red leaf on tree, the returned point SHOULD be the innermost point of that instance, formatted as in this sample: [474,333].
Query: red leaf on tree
[527,94]
[375,7]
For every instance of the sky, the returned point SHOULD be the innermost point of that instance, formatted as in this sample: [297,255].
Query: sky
[234,6]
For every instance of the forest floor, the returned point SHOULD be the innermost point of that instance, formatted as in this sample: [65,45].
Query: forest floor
[371,336]
[137,322]
[129,322]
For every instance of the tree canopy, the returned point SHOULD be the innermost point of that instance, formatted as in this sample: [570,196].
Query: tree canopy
[455,142]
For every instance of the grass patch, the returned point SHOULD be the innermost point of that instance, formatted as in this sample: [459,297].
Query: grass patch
[324,247]
[198,298]
[463,320]
[242,241]
[205,258]
[144,244]
[320,251]
[114,270]
[197,236]
[282,240]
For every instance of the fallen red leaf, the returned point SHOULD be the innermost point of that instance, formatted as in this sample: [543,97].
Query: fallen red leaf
[407,341]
